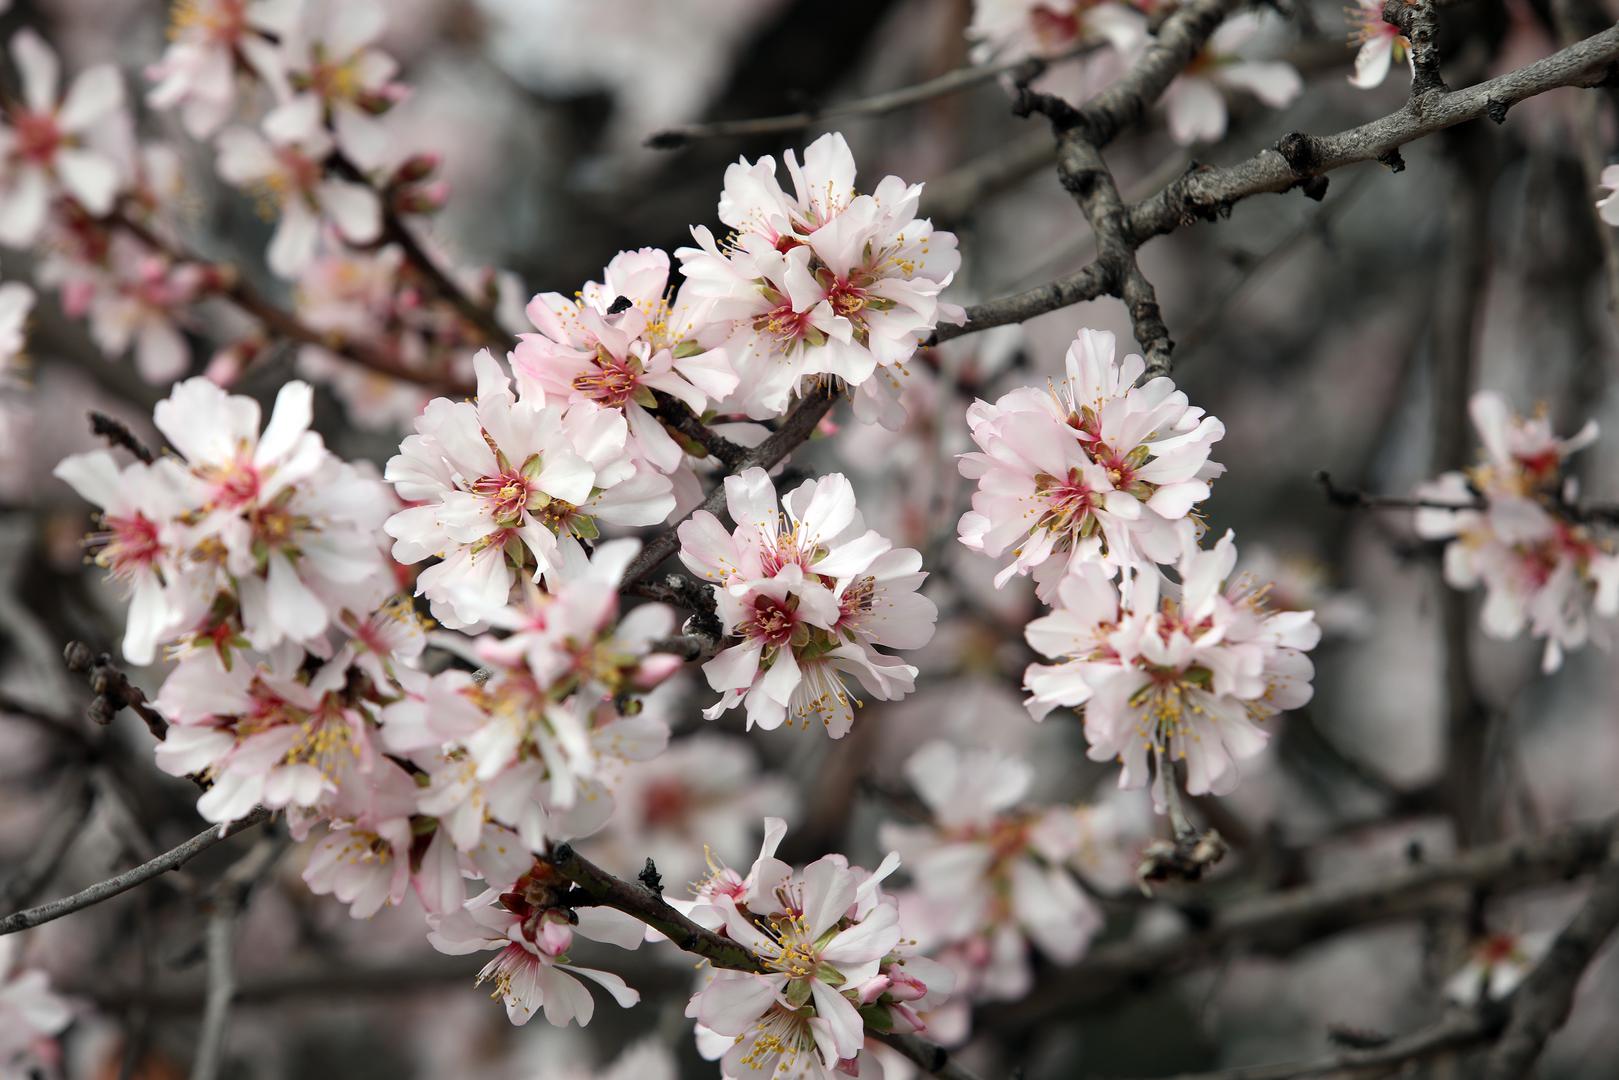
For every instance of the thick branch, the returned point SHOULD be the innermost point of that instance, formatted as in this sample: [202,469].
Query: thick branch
[172,859]
[678,415]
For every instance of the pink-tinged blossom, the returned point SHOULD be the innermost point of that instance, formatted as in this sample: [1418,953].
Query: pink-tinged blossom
[1172,673]
[334,71]
[263,732]
[821,282]
[284,525]
[1608,205]
[212,43]
[44,141]
[1496,966]
[137,542]
[1050,28]
[506,485]
[532,972]
[823,936]
[597,349]
[1540,568]
[810,593]
[1094,468]
[285,165]
[991,876]
[135,303]
[1378,44]
[364,860]
[31,1014]
[1195,101]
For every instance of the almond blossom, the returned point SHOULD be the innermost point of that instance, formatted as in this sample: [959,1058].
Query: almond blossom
[824,937]
[506,485]
[138,543]
[617,343]
[822,282]
[1496,966]
[1050,28]
[46,141]
[335,71]
[1512,532]
[1181,672]
[991,877]
[275,519]
[1092,468]
[811,593]
[212,43]
[532,971]
[16,302]
[1195,101]
[285,166]
[1379,44]
[31,1014]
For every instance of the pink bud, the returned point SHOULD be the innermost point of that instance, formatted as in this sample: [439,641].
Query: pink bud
[555,935]
[655,668]
[906,1015]
[225,367]
[417,167]
[906,987]
[873,988]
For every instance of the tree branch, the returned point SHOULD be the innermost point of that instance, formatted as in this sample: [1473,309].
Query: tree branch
[172,859]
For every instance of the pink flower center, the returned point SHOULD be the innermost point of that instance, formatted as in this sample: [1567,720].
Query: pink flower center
[784,324]
[665,802]
[1069,502]
[236,484]
[846,298]
[129,545]
[610,381]
[772,622]
[507,493]
[38,136]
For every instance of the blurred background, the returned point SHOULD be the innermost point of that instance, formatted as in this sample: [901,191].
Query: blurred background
[1339,335]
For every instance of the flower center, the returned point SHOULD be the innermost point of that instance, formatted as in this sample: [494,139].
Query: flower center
[772,622]
[38,137]
[507,493]
[128,545]
[611,381]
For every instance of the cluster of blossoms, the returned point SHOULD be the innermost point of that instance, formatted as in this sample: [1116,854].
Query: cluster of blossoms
[810,593]
[836,961]
[1515,529]
[1098,41]
[31,1016]
[820,283]
[991,878]
[1092,484]
[292,95]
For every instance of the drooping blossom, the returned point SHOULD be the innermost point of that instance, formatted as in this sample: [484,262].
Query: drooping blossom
[31,1014]
[46,141]
[1195,101]
[1171,672]
[820,283]
[990,876]
[1378,44]
[212,44]
[507,485]
[617,343]
[1094,468]
[532,972]
[285,165]
[810,593]
[1512,531]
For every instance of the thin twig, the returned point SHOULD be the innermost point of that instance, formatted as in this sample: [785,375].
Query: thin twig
[172,859]
[117,434]
[1023,69]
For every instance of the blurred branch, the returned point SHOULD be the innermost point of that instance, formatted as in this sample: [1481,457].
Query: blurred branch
[965,78]
[1457,1030]
[1283,921]
[117,434]
[954,195]
[172,859]
[229,900]
[1572,19]
[1542,1002]
[63,826]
